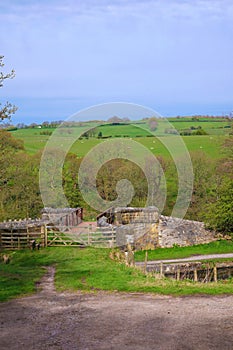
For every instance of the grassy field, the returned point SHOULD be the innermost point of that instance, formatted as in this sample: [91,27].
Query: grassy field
[210,145]
[122,130]
[218,247]
[90,270]
[35,138]
[211,126]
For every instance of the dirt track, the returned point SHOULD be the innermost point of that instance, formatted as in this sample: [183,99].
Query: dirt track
[50,320]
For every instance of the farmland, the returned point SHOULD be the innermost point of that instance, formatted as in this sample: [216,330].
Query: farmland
[35,138]
[210,145]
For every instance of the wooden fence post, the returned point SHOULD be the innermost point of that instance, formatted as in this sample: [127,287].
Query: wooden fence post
[112,238]
[145,262]
[195,275]
[178,275]
[12,241]
[161,269]
[89,234]
[44,235]
[28,240]
[215,274]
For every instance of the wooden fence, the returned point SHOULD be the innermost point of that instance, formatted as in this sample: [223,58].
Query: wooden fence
[22,239]
[54,237]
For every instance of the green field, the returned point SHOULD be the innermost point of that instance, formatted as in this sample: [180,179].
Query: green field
[90,270]
[211,126]
[209,144]
[33,141]
[35,138]
[122,130]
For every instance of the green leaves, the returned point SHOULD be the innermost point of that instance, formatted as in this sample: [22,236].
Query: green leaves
[8,109]
[220,213]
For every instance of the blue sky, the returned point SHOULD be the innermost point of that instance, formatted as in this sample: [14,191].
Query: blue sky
[174,56]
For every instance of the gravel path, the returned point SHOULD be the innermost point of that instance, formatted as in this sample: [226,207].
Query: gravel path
[191,258]
[71,321]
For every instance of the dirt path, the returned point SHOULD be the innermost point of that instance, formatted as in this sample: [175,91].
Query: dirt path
[191,258]
[70,321]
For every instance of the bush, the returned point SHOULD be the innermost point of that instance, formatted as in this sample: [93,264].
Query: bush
[199,132]
[46,132]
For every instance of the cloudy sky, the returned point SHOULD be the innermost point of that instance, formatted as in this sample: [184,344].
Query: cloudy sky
[174,56]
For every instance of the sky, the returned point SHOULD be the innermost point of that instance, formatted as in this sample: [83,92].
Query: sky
[174,56]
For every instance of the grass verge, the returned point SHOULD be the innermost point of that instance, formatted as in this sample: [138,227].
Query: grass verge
[217,247]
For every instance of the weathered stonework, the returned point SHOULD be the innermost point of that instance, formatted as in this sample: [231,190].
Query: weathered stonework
[133,234]
[128,215]
[144,228]
[182,232]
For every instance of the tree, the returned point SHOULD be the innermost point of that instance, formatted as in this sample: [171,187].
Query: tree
[8,109]
[70,180]
[114,120]
[219,213]
[204,181]
[153,123]
[117,169]
[19,184]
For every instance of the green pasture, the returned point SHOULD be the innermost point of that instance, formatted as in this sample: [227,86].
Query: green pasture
[90,270]
[211,126]
[122,130]
[208,144]
[35,138]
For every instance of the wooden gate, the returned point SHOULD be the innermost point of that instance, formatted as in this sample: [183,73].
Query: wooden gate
[98,238]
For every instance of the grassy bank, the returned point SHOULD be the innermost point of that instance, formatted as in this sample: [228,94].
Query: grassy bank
[90,270]
[218,247]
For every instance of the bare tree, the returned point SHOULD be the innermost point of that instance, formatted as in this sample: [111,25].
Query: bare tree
[8,109]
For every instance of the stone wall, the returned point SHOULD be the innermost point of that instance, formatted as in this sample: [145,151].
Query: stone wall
[139,235]
[182,232]
[165,232]
[144,228]
[128,215]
